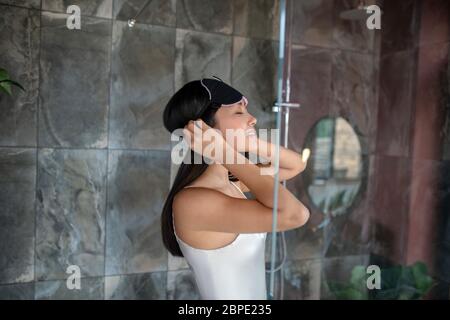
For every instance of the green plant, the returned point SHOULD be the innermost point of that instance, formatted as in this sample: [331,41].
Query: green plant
[6,82]
[397,283]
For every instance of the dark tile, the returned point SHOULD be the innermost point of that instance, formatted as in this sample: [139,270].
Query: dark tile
[254,74]
[160,12]
[146,286]
[181,285]
[17,215]
[19,41]
[96,8]
[200,54]
[395,104]
[141,85]
[443,230]
[34,4]
[70,212]
[137,186]
[90,289]
[400,25]
[430,98]
[434,23]
[427,192]
[390,203]
[353,95]
[73,99]
[18,291]
[311,88]
[205,15]
[312,22]
[257,18]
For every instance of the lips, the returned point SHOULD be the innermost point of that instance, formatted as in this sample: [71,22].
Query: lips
[250,132]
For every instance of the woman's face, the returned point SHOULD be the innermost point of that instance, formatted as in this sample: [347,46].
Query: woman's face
[233,117]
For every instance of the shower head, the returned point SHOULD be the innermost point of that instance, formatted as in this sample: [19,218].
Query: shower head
[359,13]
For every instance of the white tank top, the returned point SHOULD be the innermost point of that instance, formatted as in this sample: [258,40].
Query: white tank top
[235,271]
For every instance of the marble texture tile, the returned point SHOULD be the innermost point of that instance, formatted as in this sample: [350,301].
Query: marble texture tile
[90,289]
[257,19]
[433,28]
[400,25]
[200,54]
[205,15]
[19,40]
[428,192]
[17,215]
[145,286]
[390,203]
[157,12]
[431,95]
[254,74]
[181,285]
[176,263]
[443,245]
[18,291]
[74,101]
[395,104]
[70,228]
[353,95]
[311,76]
[138,183]
[313,23]
[95,8]
[34,4]
[141,85]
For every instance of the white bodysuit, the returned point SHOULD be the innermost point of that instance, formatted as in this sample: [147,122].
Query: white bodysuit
[236,271]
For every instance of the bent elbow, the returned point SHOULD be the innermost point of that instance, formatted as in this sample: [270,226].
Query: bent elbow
[301,216]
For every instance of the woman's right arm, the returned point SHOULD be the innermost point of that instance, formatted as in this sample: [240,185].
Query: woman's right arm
[262,187]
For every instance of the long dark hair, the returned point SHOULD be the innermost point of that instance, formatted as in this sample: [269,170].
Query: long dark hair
[191,102]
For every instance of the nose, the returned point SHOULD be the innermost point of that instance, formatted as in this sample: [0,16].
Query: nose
[252,121]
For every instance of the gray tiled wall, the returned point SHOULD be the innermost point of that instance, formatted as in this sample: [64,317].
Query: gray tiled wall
[85,160]
[84,157]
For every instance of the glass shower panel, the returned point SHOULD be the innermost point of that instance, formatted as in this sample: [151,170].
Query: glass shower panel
[375,180]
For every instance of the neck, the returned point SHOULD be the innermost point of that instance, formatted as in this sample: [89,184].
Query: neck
[217,174]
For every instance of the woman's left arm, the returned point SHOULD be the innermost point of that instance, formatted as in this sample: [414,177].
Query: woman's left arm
[291,163]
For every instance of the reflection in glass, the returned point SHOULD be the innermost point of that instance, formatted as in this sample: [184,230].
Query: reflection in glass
[333,176]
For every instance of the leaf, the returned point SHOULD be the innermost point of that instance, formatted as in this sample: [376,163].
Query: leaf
[358,278]
[6,87]
[422,280]
[12,82]
[3,74]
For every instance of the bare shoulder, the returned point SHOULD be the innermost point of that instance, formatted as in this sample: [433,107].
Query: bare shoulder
[193,194]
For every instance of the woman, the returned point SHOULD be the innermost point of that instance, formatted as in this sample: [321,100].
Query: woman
[207,218]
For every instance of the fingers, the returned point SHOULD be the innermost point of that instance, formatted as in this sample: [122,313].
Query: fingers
[305,154]
[193,129]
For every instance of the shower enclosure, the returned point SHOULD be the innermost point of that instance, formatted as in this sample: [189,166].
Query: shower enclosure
[364,85]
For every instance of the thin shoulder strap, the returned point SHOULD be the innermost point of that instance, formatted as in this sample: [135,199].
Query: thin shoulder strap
[238,188]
